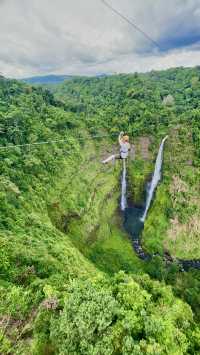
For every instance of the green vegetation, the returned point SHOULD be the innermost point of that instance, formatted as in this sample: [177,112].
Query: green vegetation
[104,317]
[70,282]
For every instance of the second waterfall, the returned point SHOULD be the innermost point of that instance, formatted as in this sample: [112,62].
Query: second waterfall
[155,180]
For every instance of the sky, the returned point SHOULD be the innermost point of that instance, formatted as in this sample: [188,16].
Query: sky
[84,37]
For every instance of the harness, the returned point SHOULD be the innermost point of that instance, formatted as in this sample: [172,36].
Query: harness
[122,151]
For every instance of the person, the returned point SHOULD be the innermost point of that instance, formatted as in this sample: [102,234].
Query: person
[125,146]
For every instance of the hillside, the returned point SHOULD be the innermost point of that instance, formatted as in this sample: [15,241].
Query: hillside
[47,79]
[70,280]
[53,79]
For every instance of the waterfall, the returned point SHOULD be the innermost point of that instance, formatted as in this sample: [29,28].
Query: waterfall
[156,178]
[123,193]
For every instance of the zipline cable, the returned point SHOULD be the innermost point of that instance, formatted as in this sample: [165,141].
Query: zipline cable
[130,22]
[55,141]
[13,146]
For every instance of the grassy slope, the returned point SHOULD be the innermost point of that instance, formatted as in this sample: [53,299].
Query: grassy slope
[36,259]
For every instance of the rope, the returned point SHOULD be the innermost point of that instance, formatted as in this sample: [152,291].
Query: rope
[130,22]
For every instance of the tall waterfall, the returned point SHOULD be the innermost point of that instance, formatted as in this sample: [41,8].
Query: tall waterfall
[123,192]
[155,180]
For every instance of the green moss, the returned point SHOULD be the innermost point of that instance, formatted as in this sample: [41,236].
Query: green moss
[115,252]
[156,224]
[139,171]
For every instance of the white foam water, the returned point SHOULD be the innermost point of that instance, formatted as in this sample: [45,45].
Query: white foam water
[123,192]
[156,178]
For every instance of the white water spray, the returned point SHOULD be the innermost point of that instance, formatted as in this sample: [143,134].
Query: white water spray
[123,193]
[156,178]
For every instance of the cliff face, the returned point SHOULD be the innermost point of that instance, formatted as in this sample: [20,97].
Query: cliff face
[140,168]
[172,222]
[85,207]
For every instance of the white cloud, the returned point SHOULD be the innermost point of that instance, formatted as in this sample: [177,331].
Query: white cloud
[85,37]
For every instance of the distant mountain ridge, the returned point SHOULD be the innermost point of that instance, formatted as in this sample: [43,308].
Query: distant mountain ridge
[53,79]
[48,79]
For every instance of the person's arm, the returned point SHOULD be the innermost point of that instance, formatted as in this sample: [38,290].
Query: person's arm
[120,137]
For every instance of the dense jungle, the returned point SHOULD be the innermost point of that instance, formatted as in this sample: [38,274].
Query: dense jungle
[70,279]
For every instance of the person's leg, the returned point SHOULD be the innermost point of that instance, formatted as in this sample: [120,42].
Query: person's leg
[111,158]
[118,156]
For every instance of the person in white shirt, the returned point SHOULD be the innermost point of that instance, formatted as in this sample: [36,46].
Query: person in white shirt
[124,149]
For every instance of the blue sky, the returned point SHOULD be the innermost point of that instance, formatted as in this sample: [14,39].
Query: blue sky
[84,37]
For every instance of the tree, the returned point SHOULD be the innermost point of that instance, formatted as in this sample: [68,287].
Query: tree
[121,316]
